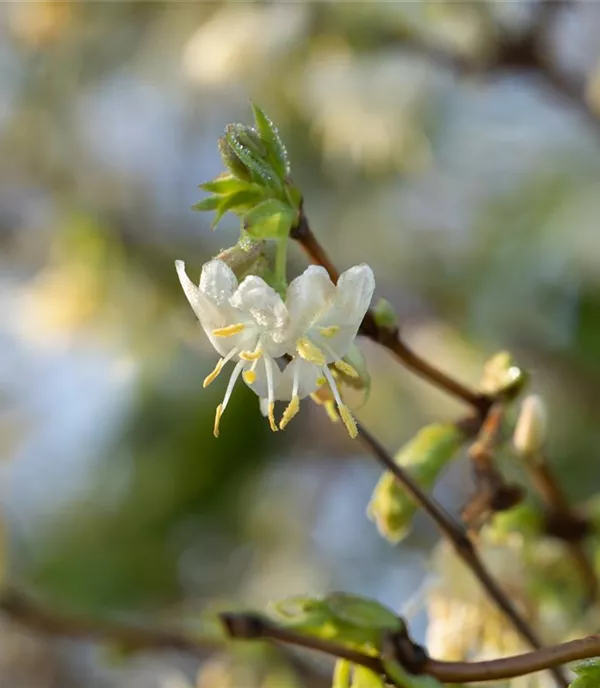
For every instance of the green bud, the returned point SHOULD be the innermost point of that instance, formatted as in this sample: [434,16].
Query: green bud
[231,160]
[385,315]
[501,376]
[251,152]
[361,612]
[530,432]
[588,674]
[243,257]
[424,457]
[523,519]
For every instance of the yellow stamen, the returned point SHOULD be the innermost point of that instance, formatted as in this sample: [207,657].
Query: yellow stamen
[348,421]
[213,376]
[321,381]
[330,331]
[251,355]
[346,368]
[331,412]
[291,410]
[229,331]
[218,415]
[271,415]
[309,352]
[249,376]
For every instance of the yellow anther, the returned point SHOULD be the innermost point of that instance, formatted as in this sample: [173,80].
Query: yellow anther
[321,381]
[249,376]
[346,368]
[348,421]
[291,410]
[218,415]
[229,331]
[213,376]
[271,415]
[309,352]
[331,412]
[251,355]
[330,331]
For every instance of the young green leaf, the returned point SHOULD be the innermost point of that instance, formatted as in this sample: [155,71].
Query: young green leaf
[360,611]
[588,674]
[342,674]
[424,457]
[225,184]
[365,678]
[271,219]
[209,203]
[238,202]
[268,132]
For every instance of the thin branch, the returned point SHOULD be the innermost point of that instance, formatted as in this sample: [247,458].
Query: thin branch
[493,494]
[392,340]
[253,627]
[563,521]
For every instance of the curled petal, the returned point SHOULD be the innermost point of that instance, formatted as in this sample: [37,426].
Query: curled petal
[211,315]
[308,296]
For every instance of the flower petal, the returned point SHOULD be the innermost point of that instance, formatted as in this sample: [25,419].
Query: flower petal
[218,282]
[354,292]
[264,305]
[309,379]
[308,296]
[211,315]
[204,308]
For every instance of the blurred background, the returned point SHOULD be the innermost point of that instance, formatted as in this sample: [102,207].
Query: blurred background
[472,191]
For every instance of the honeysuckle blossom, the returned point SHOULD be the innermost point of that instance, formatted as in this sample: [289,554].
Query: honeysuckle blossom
[251,325]
[248,323]
[325,319]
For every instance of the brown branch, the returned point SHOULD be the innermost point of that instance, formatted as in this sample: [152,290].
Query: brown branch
[563,521]
[493,493]
[252,627]
[390,339]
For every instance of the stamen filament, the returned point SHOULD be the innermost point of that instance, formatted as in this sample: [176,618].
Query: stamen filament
[343,410]
[270,393]
[229,331]
[211,377]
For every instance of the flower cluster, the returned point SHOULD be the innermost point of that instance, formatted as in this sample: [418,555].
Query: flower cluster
[251,325]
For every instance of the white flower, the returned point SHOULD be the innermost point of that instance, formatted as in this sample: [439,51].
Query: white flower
[248,323]
[325,319]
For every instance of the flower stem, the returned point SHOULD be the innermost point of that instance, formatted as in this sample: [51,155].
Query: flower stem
[281,265]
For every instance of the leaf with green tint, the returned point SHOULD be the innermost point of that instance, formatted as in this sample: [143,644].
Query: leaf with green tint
[402,678]
[424,457]
[588,674]
[271,219]
[225,184]
[210,203]
[342,674]
[343,617]
[362,612]
[243,144]
[238,202]
[268,132]
[365,678]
